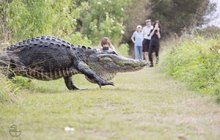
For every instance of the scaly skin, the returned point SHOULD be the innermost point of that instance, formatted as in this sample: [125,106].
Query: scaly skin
[49,58]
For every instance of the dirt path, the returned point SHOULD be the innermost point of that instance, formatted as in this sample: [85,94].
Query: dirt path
[142,105]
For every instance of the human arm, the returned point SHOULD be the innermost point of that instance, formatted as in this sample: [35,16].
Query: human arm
[112,48]
[158,33]
[156,27]
[133,38]
[143,32]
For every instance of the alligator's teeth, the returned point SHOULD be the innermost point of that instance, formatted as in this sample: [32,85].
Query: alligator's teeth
[51,75]
[38,75]
[60,73]
[55,74]
[71,71]
[28,72]
[67,71]
[23,72]
[45,77]
[64,72]
[42,74]
[32,73]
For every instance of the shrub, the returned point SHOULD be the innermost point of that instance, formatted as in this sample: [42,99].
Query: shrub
[197,63]
[123,49]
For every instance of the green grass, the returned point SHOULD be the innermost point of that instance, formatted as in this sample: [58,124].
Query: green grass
[142,105]
[197,63]
[8,90]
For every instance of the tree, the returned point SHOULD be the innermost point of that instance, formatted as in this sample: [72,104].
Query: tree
[103,18]
[73,20]
[30,18]
[176,15]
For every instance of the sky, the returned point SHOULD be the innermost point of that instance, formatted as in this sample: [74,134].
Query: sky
[215,17]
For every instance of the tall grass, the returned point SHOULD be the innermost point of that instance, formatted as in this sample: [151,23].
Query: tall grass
[8,90]
[123,50]
[196,61]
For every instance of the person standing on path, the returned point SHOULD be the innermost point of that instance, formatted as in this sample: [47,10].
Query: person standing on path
[147,38]
[155,43]
[137,39]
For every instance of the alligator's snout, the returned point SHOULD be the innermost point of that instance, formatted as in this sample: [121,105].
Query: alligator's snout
[132,65]
[118,63]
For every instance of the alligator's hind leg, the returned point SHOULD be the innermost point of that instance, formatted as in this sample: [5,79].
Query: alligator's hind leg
[69,83]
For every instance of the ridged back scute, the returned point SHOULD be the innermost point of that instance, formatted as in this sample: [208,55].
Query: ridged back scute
[44,41]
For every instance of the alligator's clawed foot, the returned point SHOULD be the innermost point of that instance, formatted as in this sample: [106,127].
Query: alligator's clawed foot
[84,89]
[105,84]
[73,88]
[111,83]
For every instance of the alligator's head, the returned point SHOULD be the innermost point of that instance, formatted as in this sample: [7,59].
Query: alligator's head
[108,64]
[117,63]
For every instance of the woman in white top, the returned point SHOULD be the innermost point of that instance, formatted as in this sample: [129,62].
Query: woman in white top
[146,42]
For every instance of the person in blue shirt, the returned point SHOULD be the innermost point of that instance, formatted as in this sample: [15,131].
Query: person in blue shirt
[137,39]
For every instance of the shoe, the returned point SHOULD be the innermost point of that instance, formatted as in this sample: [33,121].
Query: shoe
[151,65]
[147,64]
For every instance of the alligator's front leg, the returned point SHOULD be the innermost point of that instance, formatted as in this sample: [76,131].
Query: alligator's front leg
[69,83]
[84,69]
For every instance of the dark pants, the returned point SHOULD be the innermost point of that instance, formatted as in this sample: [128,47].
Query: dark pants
[154,47]
[145,45]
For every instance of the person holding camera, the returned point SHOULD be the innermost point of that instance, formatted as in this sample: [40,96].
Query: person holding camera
[154,46]
[106,45]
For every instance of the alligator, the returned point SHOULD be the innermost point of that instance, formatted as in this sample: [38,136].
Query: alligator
[50,58]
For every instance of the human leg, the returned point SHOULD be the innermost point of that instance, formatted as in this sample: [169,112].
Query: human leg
[150,54]
[141,53]
[144,47]
[136,53]
[146,57]
[139,49]
[157,49]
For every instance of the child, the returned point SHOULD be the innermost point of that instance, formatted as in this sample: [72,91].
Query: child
[137,39]
[106,45]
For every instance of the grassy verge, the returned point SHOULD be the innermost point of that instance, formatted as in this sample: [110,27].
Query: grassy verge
[196,62]
[142,105]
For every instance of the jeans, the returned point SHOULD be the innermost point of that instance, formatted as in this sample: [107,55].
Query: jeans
[138,52]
